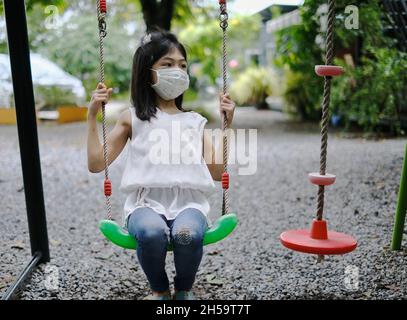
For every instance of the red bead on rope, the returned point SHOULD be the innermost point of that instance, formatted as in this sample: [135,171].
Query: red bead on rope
[108,188]
[222,1]
[328,71]
[225,180]
[102,6]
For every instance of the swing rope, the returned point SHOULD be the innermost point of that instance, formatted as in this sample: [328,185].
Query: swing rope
[112,231]
[325,110]
[101,13]
[325,105]
[223,17]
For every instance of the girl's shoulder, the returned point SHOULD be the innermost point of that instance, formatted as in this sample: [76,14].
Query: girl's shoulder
[199,120]
[196,115]
[125,117]
[124,122]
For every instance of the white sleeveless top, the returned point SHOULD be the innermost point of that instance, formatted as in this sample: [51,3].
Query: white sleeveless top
[165,169]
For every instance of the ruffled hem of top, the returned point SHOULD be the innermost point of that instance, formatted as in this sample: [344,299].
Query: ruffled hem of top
[134,187]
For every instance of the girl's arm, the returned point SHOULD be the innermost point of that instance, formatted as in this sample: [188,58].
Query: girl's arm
[213,155]
[116,139]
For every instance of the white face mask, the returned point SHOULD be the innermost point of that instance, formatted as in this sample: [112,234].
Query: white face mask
[171,83]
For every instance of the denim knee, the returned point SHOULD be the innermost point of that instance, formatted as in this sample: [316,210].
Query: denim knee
[185,236]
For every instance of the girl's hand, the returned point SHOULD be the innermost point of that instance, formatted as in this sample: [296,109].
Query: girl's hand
[227,106]
[99,96]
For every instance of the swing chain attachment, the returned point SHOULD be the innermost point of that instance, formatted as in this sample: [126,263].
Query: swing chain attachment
[102,27]
[223,16]
[101,13]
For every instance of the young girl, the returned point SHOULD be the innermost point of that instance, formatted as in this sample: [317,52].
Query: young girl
[166,202]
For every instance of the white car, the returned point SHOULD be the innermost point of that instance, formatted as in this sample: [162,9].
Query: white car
[45,74]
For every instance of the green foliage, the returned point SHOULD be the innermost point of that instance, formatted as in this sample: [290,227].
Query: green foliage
[49,98]
[74,47]
[299,94]
[203,39]
[203,42]
[182,12]
[373,94]
[35,15]
[253,86]
[74,44]
[29,4]
[368,93]
[59,3]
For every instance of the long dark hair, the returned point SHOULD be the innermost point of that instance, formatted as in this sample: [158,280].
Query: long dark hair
[143,97]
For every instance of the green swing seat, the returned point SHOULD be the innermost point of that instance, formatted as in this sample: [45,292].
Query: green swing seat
[120,237]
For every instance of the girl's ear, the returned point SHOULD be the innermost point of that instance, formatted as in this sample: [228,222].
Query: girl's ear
[154,77]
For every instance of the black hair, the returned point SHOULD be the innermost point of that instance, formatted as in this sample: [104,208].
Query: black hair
[153,47]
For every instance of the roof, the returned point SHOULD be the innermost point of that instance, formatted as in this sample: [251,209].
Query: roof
[44,72]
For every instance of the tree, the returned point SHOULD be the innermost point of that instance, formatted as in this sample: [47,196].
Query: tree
[158,14]
[78,55]
[35,30]
[162,13]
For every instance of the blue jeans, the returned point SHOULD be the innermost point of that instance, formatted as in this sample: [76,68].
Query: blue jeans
[154,232]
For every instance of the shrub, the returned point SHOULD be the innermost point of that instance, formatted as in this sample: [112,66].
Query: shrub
[302,95]
[49,98]
[370,93]
[253,86]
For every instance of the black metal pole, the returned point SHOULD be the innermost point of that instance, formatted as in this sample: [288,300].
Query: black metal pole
[11,292]
[27,125]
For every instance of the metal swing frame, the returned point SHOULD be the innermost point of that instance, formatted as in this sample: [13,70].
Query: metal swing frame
[19,51]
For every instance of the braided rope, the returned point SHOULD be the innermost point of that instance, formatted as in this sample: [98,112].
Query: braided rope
[325,110]
[224,24]
[325,105]
[102,35]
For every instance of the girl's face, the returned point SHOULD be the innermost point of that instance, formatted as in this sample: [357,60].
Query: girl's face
[173,59]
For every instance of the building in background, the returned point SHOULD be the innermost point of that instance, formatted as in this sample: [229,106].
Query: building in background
[275,16]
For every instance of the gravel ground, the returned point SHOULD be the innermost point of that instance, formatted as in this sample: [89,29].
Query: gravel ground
[250,264]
